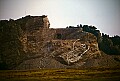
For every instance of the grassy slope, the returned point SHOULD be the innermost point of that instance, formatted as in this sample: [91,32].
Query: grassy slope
[99,74]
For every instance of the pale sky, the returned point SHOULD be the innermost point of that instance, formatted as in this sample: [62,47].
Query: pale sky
[104,14]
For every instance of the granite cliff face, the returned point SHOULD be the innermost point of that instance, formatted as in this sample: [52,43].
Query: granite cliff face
[44,47]
[66,45]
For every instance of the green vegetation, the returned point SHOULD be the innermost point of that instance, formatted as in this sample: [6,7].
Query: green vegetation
[91,74]
[110,45]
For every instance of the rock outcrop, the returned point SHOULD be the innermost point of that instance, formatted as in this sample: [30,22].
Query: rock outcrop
[72,51]
[38,46]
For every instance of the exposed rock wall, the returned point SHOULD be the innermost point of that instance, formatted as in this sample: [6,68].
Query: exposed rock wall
[44,47]
[71,51]
[65,45]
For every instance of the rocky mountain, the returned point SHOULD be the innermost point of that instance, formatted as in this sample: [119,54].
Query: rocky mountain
[29,43]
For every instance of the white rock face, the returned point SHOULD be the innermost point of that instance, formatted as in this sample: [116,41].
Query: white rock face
[75,50]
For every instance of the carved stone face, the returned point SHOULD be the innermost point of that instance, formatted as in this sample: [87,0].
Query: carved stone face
[69,52]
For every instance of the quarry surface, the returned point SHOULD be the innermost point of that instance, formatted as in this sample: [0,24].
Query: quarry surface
[44,47]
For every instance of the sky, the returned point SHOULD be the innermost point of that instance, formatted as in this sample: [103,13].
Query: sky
[103,14]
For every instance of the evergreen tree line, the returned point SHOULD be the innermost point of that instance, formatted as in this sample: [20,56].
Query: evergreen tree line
[107,44]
